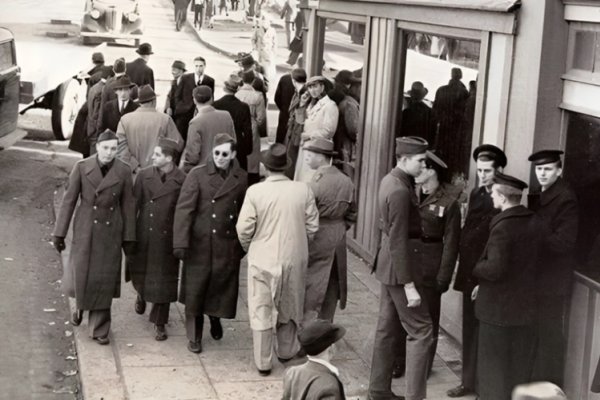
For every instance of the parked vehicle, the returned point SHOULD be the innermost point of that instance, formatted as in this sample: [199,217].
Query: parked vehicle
[9,91]
[111,19]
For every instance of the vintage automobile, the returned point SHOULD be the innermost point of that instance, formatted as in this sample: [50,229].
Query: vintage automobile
[111,19]
[9,91]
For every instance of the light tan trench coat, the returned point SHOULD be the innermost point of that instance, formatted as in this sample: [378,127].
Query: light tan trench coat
[273,226]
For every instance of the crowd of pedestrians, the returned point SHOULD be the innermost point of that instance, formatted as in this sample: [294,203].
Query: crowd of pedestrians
[185,193]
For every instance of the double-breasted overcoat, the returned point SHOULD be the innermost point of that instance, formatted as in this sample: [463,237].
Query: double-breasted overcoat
[153,269]
[104,209]
[205,218]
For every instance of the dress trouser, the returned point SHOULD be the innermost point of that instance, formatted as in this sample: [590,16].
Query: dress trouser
[505,359]
[286,347]
[99,322]
[159,314]
[198,16]
[394,315]
[551,328]
[193,326]
[331,296]
[470,337]
[432,298]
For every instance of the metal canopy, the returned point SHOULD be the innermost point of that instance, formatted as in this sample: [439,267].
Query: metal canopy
[481,5]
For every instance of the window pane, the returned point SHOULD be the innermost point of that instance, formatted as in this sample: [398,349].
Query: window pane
[583,56]
[6,57]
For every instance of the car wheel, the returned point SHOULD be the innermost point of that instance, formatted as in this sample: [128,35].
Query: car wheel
[67,99]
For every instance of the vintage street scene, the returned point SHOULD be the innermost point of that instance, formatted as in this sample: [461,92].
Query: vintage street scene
[300,199]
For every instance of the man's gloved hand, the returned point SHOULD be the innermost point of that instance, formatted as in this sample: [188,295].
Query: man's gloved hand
[412,295]
[59,243]
[442,287]
[180,253]
[129,247]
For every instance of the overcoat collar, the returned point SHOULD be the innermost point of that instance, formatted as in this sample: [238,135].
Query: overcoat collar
[205,109]
[553,191]
[93,173]
[514,212]
[433,197]
[223,186]
[277,178]
[173,182]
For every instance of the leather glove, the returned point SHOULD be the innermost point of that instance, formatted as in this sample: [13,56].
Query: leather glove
[412,295]
[442,287]
[180,253]
[59,243]
[129,248]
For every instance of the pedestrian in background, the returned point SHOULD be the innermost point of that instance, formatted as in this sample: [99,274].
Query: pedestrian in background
[417,118]
[139,131]
[107,93]
[113,110]
[138,70]
[180,13]
[94,100]
[205,239]
[346,133]
[153,269]
[99,198]
[294,127]
[263,43]
[277,220]
[180,103]
[198,8]
[283,98]
[399,271]
[317,378]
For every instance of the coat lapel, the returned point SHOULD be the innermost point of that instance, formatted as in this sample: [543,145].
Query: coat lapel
[111,178]
[173,182]
[92,171]
[231,181]
[432,198]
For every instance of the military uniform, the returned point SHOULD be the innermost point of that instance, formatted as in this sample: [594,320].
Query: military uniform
[326,279]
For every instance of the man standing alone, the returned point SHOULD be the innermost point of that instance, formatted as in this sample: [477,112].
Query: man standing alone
[276,222]
[400,276]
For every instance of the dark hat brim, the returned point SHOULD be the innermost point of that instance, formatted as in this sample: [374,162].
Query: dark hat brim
[433,157]
[497,153]
[317,348]
[263,159]
[145,53]
[115,87]
[320,151]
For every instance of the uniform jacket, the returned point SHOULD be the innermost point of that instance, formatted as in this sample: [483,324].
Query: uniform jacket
[437,249]
[473,237]
[94,108]
[507,269]
[276,217]
[400,220]
[283,98]
[258,114]
[242,122]
[153,269]
[104,217]
[203,128]
[334,195]
[111,115]
[205,218]
[138,133]
[140,73]
[557,209]
[312,381]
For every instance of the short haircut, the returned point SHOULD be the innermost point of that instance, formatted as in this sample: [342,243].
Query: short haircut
[168,152]
[485,157]
[199,58]
[248,76]
[513,195]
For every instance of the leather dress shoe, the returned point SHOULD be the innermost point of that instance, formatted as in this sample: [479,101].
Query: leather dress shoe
[264,372]
[398,371]
[195,347]
[140,305]
[102,340]
[216,330]
[459,391]
[161,333]
[76,318]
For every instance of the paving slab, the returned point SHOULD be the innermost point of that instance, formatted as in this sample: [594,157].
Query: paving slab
[168,383]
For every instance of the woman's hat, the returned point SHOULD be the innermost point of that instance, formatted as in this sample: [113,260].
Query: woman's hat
[275,157]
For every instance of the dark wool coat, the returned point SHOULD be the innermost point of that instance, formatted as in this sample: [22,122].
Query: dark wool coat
[417,120]
[242,122]
[182,103]
[283,98]
[473,238]
[312,381]
[153,269]
[110,116]
[399,220]
[507,269]
[140,73]
[104,209]
[205,218]
[557,208]
[79,140]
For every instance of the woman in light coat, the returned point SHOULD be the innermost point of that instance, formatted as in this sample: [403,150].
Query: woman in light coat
[320,117]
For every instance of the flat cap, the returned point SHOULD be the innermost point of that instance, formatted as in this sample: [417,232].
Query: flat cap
[98,58]
[492,152]
[507,180]
[106,135]
[170,144]
[410,145]
[538,391]
[315,79]
[545,157]
[202,93]
[318,335]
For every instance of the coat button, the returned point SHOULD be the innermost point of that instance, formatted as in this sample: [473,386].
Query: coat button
[150,229]
[107,222]
[95,207]
[152,215]
[165,232]
[228,232]
[214,215]
[212,201]
[214,231]
[151,201]
[112,209]
[95,221]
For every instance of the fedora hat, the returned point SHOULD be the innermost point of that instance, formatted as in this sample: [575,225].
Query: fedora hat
[318,335]
[123,83]
[346,77]
[179,65]
[145,49]
[146,94]
[275,157]
[418,89]
[320,145]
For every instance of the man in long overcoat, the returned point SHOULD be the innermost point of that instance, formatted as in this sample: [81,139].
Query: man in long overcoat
[475,232]
[276,221]
[138,70]
[204,238]
[113,110]
[179,104]
[505,296]
[283,98]
[94,103]
[100,195]
[294,126]
[153,268]
[326,279]
[556,205]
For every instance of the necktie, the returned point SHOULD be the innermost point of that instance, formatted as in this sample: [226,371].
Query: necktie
[121,107]
[199,83]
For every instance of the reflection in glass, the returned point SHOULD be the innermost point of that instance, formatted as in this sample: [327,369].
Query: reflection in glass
[583,56]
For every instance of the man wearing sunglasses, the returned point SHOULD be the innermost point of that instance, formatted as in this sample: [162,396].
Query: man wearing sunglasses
[204,237]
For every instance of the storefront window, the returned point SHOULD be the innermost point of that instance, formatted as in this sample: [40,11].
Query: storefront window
[439,97]
[582,171]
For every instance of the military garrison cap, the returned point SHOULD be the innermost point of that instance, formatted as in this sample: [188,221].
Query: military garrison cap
[492,152]
[545,157]
[410,145]
[507,180]
[106,135]
[170,145]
